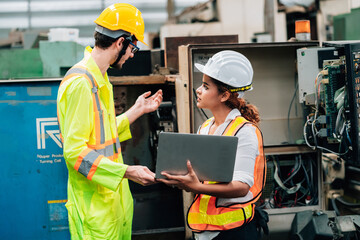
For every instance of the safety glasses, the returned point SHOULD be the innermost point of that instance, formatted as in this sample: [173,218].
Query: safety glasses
[135,48]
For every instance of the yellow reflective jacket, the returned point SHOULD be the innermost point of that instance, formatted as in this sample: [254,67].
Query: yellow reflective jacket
[100,205]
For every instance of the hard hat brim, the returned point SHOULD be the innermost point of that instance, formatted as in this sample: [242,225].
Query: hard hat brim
[200,67]
[113,34]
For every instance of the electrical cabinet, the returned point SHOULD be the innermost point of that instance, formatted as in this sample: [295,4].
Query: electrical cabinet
[157,208]
[294,177]
[332,117]
[333,125]
[309,62]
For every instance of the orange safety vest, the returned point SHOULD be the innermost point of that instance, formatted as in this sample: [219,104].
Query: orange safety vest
[94,153]
[205,215]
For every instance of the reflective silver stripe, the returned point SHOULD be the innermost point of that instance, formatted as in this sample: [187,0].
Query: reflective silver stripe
[117,145]
[87,163]
[94,90]
[75,70]
[100,151]
[102,131]
[107,151]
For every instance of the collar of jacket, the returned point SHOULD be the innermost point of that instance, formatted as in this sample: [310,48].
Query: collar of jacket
[93,67]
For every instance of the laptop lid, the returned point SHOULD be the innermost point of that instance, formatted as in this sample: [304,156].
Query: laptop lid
[212,157]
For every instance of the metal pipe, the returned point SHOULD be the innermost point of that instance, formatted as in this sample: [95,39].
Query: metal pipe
[355,169]
[29,14]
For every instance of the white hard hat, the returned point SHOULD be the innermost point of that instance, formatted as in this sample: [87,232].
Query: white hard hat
[231,68]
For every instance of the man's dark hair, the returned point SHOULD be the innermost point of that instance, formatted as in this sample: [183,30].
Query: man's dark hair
[102,41]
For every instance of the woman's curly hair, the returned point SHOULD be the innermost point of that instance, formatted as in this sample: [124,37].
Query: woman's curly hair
[248,111]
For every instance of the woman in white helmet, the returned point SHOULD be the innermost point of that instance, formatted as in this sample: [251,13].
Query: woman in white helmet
[226,210]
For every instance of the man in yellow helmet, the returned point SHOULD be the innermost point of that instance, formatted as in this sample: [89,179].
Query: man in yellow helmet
[100,205]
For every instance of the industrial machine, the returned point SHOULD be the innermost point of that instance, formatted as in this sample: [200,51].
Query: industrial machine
[332,78]
[287,191]
[329,89]
[310,142]
[34,171]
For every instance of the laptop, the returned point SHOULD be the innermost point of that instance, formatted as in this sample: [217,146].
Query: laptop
[212,157]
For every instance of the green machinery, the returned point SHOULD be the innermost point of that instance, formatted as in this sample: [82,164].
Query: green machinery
[346,26]
[51,59]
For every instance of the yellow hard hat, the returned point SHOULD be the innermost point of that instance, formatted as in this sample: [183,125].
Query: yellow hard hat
[120,17]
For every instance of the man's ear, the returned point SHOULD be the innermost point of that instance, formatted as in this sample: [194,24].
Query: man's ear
[119,42]
[225,96]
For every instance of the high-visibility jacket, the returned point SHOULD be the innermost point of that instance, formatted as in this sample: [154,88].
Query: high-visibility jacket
[204,213]
[100,205]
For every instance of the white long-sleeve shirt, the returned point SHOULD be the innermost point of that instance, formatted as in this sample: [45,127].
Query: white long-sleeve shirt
[247,151]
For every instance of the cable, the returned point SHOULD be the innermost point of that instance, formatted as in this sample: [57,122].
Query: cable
[317,82]
[336,209]
[288,192]
[328,150]
[314,136]
[288,117]
[313,130]
[310,181]
[317,104]
[281,184]
[314,182]
[313,121]
[297,167]
[347,133]
[307,179]
[347,204]
[305,135]
[340,114]
[329,159]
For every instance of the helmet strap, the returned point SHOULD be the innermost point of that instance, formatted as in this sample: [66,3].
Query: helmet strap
[240,89]
[122,52]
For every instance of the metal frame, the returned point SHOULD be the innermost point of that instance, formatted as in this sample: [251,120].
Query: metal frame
[187,118]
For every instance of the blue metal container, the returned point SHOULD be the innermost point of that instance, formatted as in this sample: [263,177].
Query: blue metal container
[33,174]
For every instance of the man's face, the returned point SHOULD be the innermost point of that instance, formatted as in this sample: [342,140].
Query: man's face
[128,54]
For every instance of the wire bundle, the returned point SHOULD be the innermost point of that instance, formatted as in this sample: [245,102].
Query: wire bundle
[295,186]
[341,126]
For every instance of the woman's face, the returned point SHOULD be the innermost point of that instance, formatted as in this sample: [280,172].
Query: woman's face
[208,95]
